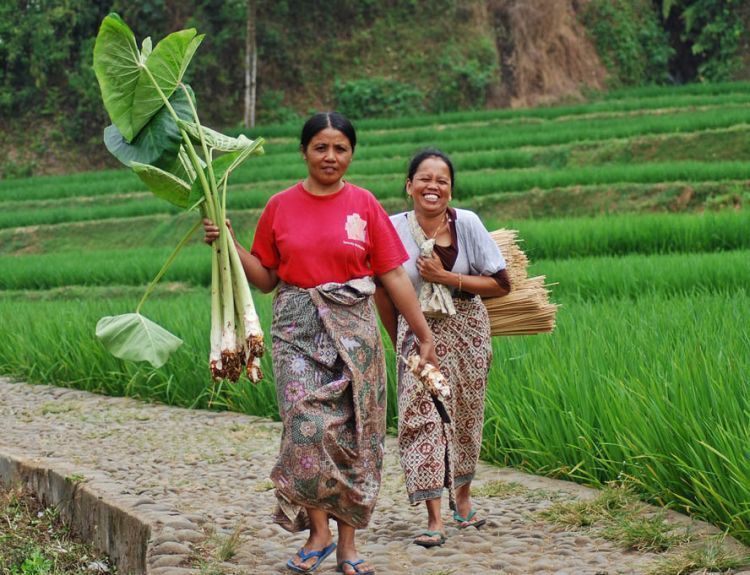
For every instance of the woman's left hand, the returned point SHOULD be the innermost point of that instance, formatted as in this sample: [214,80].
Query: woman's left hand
[431,269]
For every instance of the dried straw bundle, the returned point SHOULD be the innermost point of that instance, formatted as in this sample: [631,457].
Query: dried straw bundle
[526,309]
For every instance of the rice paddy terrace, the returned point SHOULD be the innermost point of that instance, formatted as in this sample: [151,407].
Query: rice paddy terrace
[633,205]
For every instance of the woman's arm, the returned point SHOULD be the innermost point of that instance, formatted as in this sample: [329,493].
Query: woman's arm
[396,282]
[387,312]
[263,278]
[432,270]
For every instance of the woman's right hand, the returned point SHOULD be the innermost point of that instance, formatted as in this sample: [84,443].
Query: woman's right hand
[211,231]
[427,354]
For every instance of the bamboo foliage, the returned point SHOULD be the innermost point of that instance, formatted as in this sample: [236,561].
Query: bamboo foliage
[526,310]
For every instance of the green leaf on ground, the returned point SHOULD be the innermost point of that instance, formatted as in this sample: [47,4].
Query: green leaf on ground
[133,336]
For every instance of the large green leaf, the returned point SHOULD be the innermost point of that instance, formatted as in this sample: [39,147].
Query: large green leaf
[128,90]
[158,142]
[117,64]
[163,184]
[167,64]
[217,140]
[135,337]
[226,163]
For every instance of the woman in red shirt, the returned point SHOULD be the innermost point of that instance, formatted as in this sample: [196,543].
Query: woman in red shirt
[321,242]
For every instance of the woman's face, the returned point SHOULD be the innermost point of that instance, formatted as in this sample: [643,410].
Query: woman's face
[328,156]
[430,188]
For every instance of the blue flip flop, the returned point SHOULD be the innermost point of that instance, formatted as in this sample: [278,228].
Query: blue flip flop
[354,565]
[305,555]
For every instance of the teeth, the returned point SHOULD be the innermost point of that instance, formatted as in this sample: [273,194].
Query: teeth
[431,197]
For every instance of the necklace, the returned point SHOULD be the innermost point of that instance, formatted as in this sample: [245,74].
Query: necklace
[440,226]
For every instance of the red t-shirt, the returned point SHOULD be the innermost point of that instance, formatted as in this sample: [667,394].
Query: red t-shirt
[311,240]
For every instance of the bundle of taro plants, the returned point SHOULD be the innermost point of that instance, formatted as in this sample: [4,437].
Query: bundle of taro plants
[156,132]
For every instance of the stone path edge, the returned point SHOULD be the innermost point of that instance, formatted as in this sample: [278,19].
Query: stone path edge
[101,518]
[134,532]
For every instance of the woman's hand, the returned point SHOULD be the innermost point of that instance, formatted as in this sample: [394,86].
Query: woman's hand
[427,354]
[211,231]
[431,269]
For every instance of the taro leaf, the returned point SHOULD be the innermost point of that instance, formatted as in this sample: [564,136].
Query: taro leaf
[145,48]
[163,184]
[196,193]
[223,166]
[158,142]
[135,337]
[167,64]
[230,162]
[216,140]
[117,67]
[129,95]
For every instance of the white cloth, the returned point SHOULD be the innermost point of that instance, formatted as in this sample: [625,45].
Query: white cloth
[435,299]
[478,253]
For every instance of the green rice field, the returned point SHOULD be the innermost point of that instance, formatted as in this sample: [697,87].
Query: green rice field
[633,205]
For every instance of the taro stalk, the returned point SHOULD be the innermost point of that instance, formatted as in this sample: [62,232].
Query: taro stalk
[156,132]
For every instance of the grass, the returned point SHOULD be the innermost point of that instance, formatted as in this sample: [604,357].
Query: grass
[619,516]
[34,540]
[500,489]
[645,377]
[652,390]
[710,557]
[210,555]
[601,398]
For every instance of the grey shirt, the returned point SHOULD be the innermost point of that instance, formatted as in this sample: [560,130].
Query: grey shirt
[478,253]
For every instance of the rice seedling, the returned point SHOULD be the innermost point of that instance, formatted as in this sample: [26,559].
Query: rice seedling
[614,235]
[605,399]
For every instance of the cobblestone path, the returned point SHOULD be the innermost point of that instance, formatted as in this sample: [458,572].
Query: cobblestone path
[201,477]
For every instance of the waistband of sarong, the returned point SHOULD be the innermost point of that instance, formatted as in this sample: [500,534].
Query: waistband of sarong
[356,287]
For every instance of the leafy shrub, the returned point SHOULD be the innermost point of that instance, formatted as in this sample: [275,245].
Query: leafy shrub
[464,77]
[630,41]
[271,108]
[711,30]
[377,98]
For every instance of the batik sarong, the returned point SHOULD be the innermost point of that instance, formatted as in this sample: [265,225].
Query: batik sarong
[330,385]
[436,455]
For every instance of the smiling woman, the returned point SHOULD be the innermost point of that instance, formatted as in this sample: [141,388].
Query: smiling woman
[453,261]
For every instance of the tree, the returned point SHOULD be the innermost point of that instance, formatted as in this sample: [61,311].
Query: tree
[251,64]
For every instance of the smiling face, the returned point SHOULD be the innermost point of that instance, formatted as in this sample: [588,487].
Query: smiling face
[328,156]
[430,187]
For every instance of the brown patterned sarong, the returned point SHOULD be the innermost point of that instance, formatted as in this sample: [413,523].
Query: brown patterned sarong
[330,385]
[437,455]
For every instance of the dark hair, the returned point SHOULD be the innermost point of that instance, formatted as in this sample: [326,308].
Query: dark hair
[321,121]
[426,153]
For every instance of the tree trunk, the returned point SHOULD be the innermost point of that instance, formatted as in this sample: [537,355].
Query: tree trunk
[251,65]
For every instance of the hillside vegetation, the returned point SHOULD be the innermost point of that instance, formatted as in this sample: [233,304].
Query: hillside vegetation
[367,59]
[634,206]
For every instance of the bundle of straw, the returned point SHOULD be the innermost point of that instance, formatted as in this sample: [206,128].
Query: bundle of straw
[526,309]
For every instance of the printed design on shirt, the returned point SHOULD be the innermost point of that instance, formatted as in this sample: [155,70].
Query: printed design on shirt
[355,230]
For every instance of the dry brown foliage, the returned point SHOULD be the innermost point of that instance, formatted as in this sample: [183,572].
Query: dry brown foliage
[544,51]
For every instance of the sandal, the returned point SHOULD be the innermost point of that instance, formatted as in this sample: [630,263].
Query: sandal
[354,565]
[464,522]
[430,542]
[305,555]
